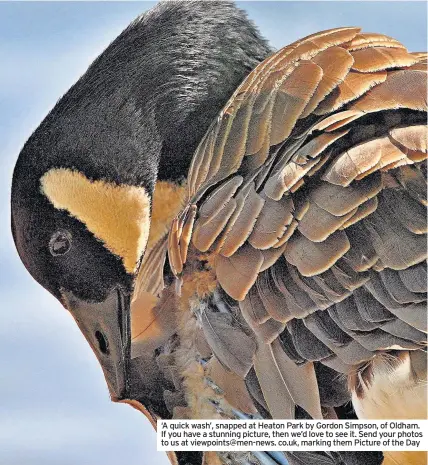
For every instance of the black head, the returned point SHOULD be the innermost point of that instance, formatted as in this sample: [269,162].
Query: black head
[82,239]
[83,183]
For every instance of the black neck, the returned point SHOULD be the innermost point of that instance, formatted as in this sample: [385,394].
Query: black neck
[154,91]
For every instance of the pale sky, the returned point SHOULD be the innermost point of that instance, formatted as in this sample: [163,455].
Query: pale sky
[54,405]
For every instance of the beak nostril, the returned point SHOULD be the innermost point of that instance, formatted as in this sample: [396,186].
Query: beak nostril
[102,342]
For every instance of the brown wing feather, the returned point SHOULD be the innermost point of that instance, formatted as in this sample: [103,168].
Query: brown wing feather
[310,196]
[365,40]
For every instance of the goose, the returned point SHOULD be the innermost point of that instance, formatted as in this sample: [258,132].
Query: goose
[239,232]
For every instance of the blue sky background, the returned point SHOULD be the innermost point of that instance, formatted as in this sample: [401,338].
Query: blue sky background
[54,405]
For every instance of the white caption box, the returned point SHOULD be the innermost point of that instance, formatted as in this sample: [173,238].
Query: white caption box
[292,435]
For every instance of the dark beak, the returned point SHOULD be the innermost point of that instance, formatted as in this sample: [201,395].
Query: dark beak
[106,326]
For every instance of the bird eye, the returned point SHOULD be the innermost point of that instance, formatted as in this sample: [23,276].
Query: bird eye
[60,243]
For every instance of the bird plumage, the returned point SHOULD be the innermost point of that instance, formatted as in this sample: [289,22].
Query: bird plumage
[283,274]
[303,215]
